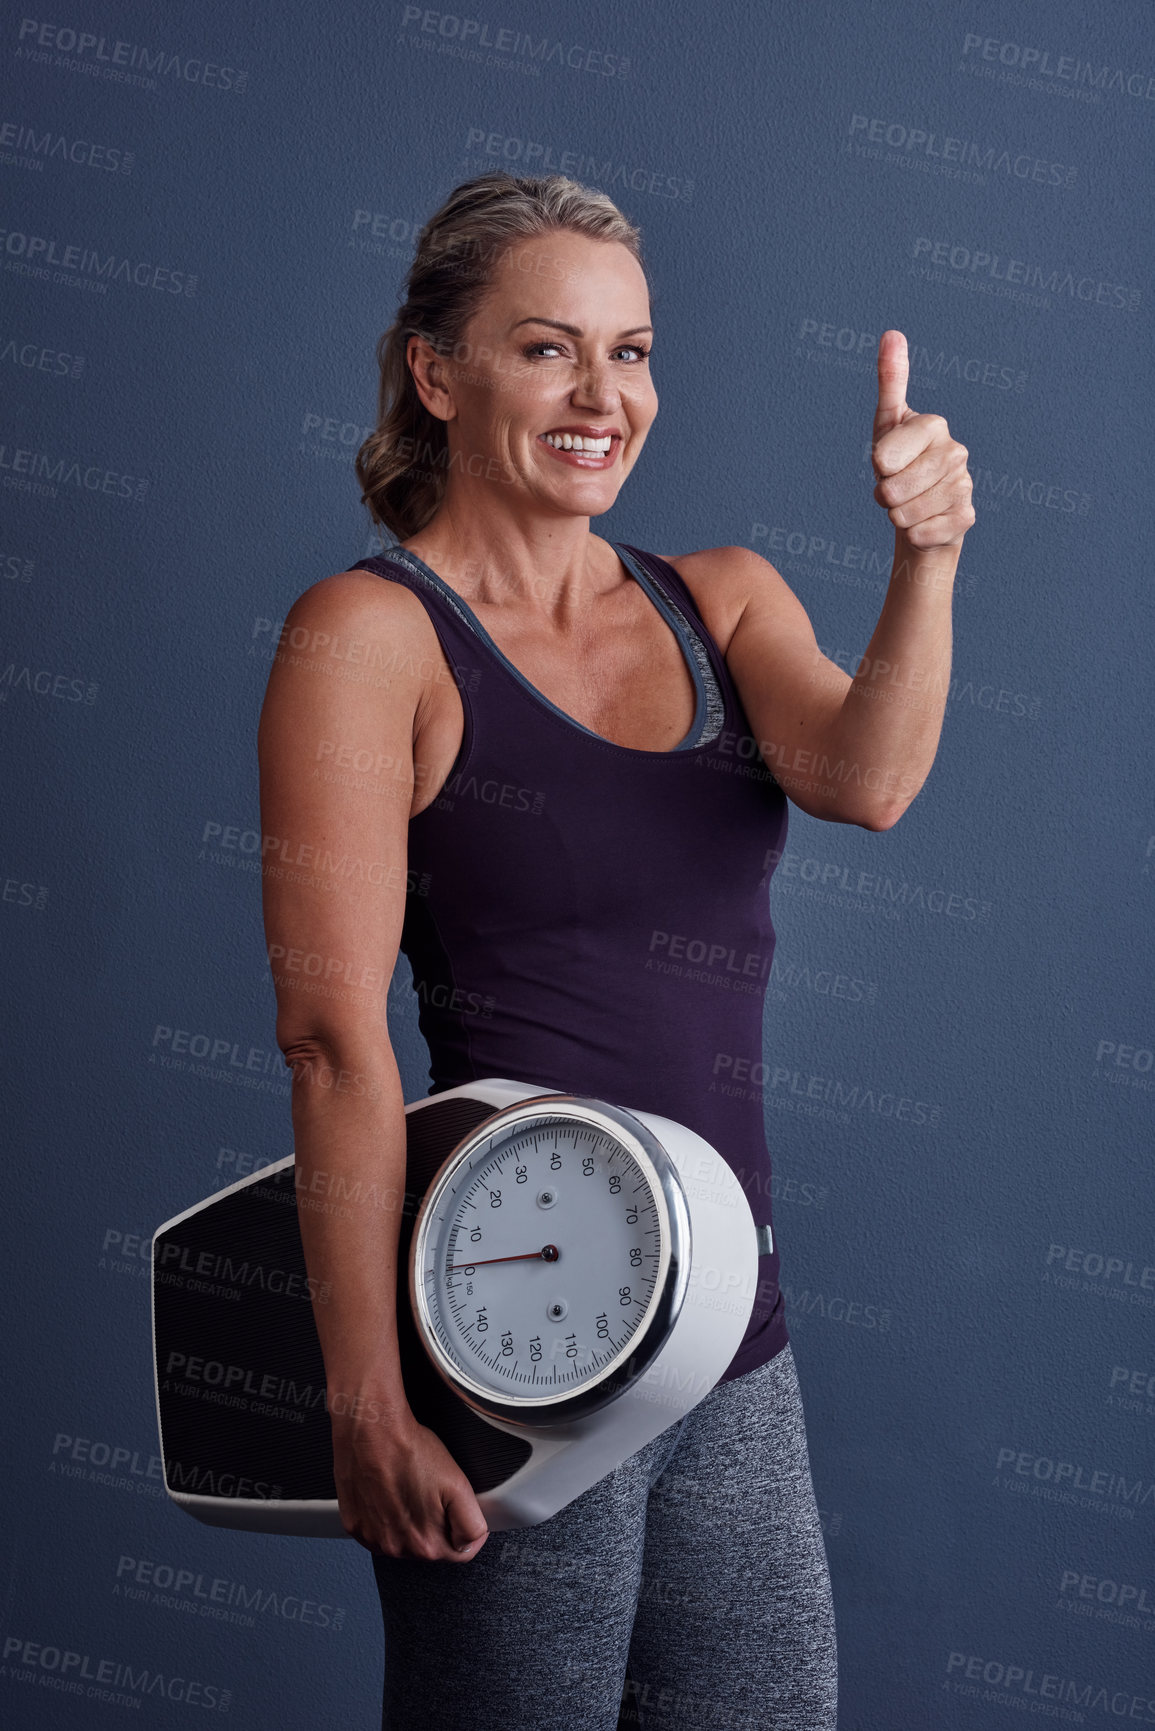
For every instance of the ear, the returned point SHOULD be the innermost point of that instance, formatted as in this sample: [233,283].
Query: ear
[430,378]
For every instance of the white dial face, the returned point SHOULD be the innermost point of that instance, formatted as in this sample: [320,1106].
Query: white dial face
[540,1257]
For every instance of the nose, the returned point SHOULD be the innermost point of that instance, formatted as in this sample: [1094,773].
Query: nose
[594,386]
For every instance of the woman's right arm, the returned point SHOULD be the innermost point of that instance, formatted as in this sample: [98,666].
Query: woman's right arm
[348,688]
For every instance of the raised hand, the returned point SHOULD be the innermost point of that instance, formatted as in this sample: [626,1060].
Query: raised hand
[923,480]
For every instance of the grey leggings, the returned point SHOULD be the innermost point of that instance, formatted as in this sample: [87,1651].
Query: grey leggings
[687,1589]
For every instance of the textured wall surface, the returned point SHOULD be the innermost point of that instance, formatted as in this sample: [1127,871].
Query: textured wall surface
[208,212]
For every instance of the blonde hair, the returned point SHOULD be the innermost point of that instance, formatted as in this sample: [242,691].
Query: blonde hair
[402,465]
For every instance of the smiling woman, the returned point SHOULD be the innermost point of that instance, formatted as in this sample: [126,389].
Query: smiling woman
[590,750]
[482,298]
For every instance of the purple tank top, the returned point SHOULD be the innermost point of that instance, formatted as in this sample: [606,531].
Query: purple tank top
[595,918]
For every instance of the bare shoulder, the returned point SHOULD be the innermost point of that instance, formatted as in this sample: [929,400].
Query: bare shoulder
[723,580]
[354,646]
[356,598]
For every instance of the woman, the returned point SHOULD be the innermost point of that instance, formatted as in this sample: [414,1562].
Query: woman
[578,761]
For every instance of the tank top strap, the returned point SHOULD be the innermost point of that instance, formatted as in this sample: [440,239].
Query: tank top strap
[677,592]
[672,586]
[457,635]
[468,647]
[399,566]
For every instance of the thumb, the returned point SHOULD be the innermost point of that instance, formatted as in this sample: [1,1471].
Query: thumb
[465,1523]
[893,374]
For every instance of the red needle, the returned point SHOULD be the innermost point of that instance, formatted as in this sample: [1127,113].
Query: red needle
[547,1253]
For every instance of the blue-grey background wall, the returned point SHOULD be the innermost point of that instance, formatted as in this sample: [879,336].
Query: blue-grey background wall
[207,216]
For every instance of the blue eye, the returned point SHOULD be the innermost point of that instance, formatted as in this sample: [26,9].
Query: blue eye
[636,348]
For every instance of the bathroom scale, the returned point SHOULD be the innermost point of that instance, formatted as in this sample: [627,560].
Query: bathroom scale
[572,1278]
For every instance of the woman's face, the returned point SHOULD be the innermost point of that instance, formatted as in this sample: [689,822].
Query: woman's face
[559,344]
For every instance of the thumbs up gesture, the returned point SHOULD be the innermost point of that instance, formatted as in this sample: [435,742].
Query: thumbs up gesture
[923,479]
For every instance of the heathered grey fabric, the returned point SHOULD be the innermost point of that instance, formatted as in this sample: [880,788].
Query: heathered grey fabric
[688,1588]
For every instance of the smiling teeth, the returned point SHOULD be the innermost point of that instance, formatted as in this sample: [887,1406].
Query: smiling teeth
[575,442]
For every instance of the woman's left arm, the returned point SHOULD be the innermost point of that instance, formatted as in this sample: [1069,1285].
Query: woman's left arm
[858,749]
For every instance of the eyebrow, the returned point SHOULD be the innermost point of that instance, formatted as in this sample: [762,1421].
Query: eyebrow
[574,330]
